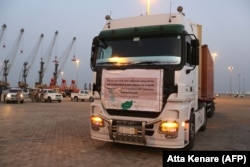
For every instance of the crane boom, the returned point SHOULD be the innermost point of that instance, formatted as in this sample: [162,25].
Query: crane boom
[44,62]
[63,59]
[8,62]
[29,62]
[4,26]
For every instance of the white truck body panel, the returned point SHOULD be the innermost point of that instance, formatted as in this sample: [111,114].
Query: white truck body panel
[149,20]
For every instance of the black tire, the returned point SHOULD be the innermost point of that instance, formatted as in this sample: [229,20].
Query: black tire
[91,99]
[204,126]
[210,107]
[191,132]
[49,99]
[75,98]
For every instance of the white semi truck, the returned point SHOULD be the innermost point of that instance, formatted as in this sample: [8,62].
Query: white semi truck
[153,81]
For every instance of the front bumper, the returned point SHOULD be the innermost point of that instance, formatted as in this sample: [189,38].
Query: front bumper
[137,133]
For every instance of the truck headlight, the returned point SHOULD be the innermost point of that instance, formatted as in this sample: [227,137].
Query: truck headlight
[170,128]
[96,122]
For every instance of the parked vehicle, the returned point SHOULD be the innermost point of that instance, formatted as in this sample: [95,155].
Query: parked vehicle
[66,92]
[14,95]
[82,95]
[26,93]
[48,95]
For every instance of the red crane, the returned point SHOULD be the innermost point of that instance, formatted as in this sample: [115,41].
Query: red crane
[60,63]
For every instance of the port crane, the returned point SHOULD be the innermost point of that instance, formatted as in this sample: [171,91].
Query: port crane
[45,61]
[8,62]
[59,67]
[29,62]
[4,26]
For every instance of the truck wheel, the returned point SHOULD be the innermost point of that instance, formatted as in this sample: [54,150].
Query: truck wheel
[211,108]
[75,98]
[191,132]
[204,126]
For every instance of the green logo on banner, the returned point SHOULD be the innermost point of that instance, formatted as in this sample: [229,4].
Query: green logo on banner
[127,104]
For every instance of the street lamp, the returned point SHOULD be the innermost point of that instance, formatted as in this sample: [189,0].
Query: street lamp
[62,74]
[148,7]
[239,85]
[244,91]
[214,55]
[230,69]
[77,64]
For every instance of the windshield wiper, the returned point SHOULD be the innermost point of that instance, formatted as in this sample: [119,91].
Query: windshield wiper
[136,63]
[146,63]
[106,63]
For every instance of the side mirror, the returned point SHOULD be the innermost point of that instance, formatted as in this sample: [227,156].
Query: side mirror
[195,51]
[94,47]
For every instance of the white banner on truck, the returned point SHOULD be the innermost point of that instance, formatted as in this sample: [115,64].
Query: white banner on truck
[132,89]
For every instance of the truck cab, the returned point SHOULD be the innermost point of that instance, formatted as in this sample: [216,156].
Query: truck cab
[147,80]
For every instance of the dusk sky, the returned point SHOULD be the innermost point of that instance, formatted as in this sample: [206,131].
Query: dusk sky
[226,31]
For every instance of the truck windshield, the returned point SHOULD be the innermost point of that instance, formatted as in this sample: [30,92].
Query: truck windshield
[140,51]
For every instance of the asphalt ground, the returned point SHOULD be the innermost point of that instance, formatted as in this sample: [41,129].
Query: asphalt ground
[57,134]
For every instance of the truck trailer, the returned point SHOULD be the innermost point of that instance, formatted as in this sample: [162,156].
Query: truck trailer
[153,81]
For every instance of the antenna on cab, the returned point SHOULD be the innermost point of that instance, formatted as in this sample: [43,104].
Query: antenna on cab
[170,12]
[108,18]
